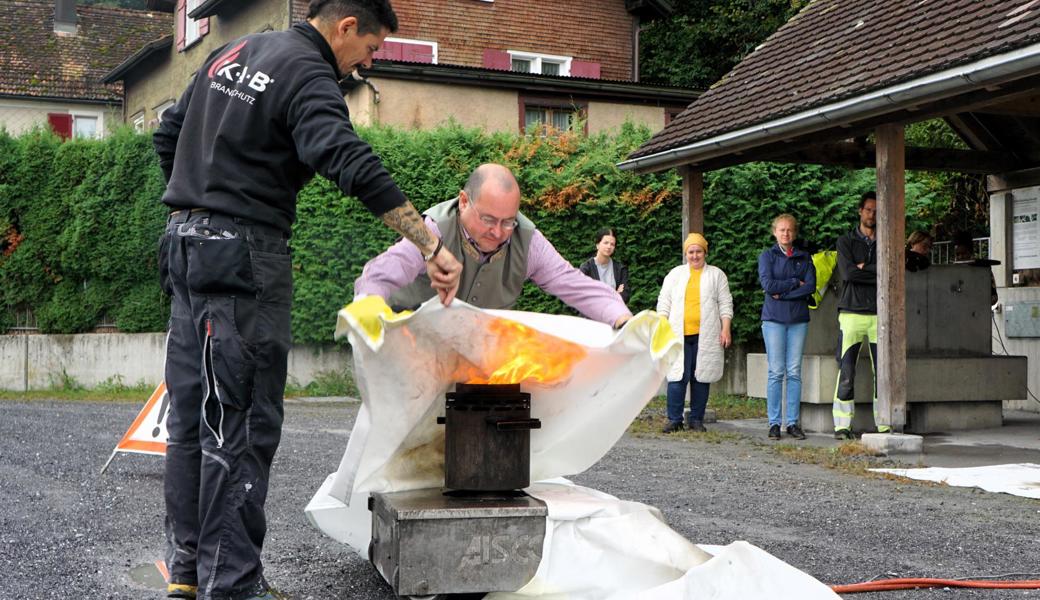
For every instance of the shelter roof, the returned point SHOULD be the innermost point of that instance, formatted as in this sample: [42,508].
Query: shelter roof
[834,51]
[37,62]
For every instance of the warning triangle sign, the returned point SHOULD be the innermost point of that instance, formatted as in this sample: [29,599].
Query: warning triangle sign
[147,434]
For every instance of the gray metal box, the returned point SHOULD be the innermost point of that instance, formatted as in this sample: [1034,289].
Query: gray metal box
[426,543]
[1022,319]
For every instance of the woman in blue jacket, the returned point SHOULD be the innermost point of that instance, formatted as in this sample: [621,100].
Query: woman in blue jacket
[788,277]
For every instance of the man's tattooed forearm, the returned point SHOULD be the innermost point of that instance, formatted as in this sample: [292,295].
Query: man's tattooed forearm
[408,222]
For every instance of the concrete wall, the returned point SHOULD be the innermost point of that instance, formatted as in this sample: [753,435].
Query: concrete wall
[422,105]
[19,116]
[609,116]
[164,79]
[425,105]
[41,361]
[1001,249]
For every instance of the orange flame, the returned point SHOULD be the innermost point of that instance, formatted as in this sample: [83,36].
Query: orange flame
[524,354]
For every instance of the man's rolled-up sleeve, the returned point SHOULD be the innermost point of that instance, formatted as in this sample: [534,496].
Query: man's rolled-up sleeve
[395,268]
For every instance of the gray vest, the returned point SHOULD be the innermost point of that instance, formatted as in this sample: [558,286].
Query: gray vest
[496,283]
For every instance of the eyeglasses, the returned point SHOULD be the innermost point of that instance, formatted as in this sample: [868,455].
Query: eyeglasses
[488,221]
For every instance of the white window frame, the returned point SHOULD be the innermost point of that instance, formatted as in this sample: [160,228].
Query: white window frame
[138,121]
[99,118]
[159,110]
[191,26]
[536,61]
[433,45]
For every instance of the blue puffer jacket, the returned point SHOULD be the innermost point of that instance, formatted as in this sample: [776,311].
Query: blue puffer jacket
[792,279]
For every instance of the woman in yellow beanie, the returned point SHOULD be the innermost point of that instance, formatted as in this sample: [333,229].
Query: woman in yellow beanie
[696,301]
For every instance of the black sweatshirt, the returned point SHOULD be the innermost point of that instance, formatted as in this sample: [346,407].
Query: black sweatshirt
[259,118]
[858,286]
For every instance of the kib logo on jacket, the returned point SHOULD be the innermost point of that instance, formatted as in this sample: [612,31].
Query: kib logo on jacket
[227,68]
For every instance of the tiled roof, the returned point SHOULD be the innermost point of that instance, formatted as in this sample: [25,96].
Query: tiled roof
[839,49]
[36,61]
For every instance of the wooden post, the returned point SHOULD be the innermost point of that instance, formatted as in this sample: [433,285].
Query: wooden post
[891,277]
[692,201]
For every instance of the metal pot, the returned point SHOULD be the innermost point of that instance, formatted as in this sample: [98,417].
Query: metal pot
[487,437]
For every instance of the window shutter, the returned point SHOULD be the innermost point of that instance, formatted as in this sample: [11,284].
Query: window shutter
[389,51]
[178,17]
[61,124]
[418,53]
[581,68]
[497,59]
[203,27]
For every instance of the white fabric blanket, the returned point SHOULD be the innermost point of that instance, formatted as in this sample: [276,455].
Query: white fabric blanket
[596,546]
[1017,479]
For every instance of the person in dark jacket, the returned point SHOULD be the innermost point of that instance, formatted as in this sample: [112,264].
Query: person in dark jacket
[258,119]
[788,277]
[604,268]
[918,250]
[857,313]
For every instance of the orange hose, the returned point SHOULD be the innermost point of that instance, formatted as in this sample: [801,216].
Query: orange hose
[909,583]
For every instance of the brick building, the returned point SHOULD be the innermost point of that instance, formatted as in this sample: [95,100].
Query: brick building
[500,65]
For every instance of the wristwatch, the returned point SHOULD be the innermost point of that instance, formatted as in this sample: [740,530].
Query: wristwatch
[429,257]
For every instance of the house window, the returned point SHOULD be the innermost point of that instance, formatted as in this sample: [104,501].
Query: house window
[189,30]
[542,115]
[401,49]
[138,121]
[85,126]
[541,64]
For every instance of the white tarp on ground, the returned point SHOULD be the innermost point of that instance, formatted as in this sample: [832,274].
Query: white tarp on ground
[1017,479]
[405,364]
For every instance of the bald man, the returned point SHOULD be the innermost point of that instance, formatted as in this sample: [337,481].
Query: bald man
[500,249]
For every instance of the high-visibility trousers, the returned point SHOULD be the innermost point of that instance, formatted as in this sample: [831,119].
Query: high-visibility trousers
[853,327]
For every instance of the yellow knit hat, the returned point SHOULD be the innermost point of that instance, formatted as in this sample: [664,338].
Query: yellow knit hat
[695,238]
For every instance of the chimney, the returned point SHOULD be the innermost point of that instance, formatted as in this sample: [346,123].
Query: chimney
[65,16]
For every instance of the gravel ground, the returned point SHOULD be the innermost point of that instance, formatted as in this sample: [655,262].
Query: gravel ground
[67,532]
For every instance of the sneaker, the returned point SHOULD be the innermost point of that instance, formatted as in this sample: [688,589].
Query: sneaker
[774,432]
[795,432]
[697,426]
[843,434]
[181,591]
[672,426]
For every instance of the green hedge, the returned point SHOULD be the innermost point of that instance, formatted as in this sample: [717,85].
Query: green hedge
[79,221]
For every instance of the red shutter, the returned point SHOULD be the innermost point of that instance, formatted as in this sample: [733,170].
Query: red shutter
[418,53]
[178,17]
[389,51]
[581,68]
[61,124]
[203,27]
[497,59]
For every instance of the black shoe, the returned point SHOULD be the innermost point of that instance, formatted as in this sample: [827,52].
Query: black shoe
[672,426]
[843,434]
[774,432]
[795,432]
[697,426]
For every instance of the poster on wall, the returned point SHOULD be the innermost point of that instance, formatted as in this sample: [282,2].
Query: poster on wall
[1025,229]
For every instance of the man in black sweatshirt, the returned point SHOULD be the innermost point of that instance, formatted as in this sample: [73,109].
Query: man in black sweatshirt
[857,312]
[259,118]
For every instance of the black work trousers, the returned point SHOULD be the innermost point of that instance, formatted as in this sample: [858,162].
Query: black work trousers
[231,288]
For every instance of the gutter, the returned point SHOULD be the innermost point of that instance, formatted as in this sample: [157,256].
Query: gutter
[989,71]
[120,71]
[533,84]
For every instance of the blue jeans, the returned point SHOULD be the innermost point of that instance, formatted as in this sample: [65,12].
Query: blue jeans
[677,389]
[784,343]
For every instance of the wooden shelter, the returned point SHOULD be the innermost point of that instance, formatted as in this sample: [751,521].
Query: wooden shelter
[842,70]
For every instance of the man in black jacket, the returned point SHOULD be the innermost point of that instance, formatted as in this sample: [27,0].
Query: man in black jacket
[259,118]
[857,312]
